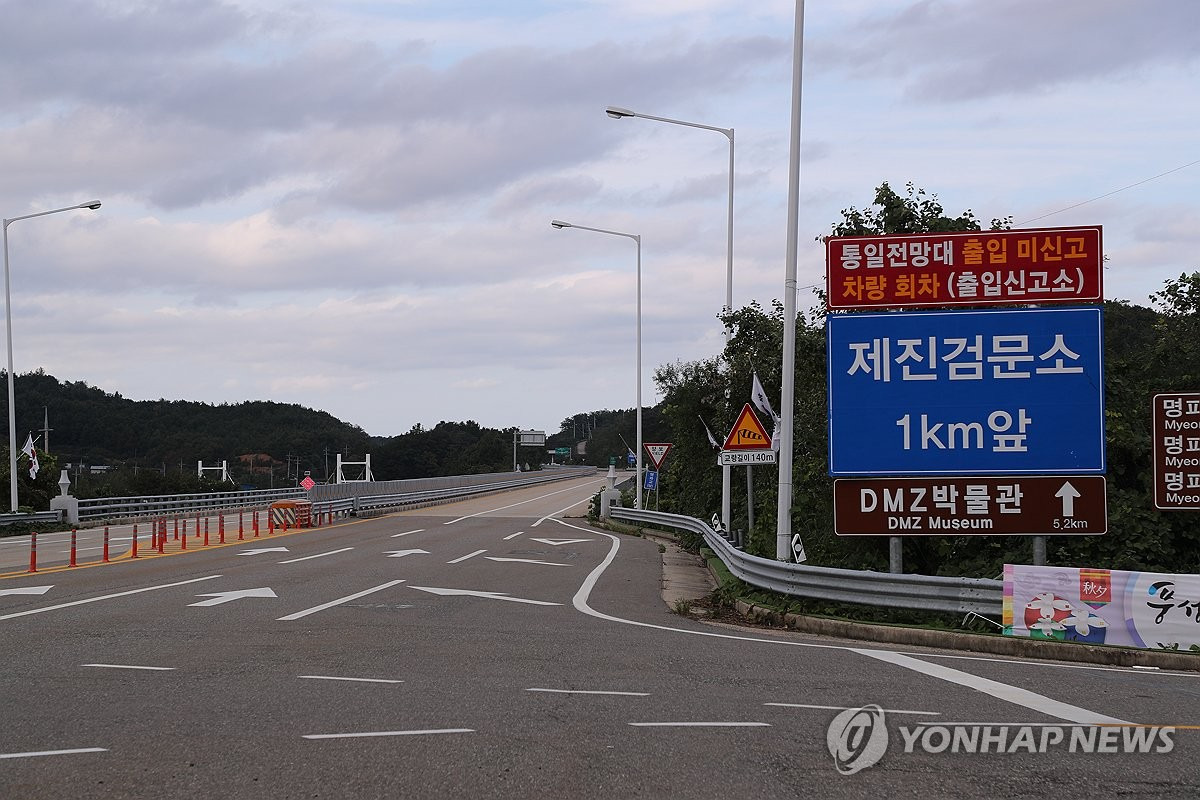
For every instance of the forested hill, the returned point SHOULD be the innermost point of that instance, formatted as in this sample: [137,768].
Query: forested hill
[97,427]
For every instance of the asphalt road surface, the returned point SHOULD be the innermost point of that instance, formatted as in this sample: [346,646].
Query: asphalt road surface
[500,647]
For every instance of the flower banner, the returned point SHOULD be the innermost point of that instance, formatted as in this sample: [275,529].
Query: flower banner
[1098,606]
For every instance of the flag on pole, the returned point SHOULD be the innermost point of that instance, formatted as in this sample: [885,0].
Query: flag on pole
[711,439]
[758,396]
[31,452]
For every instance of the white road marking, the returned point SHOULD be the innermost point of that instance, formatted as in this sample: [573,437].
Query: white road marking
[1001,691]
[27,590]
[129,666]
[403,553]
[468,555]
[513,535]
[590,691]
[557,542]
[356,680]
[847,708]
[55,752]
[337,602]
[385,733]
[105,597]
[486,595]
[527,561]
[521,503]
[700,724]
[406,533]
[228,597]
[262,550]
[562,510]
[318,555]
[1137,668]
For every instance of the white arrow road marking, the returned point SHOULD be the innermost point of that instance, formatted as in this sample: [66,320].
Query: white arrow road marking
[337,602]
[262,550]
[385,733]
[403,553]
[488,595]
[1068,493]
[557,542]
[464,558]
[105,597]
[55,752]
[318,555]
[527,561]
[226,597]
[27,590]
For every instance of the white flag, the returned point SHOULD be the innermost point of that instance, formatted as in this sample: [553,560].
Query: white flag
[758,396]
[31,452]
[711,439]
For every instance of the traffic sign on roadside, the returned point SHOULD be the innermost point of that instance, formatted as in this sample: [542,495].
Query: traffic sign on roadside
[1021,505]
[1176,432]
[748,433]
[967,268]
[658,452]
[984,391]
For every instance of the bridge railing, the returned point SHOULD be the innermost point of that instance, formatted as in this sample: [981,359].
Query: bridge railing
[344,498]
[920,592]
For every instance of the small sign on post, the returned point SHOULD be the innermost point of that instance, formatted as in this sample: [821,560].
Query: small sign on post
[748,443]
[1176,431]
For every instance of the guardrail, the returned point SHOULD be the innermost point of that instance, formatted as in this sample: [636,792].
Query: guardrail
[342,499]
[921,592]
[35,516]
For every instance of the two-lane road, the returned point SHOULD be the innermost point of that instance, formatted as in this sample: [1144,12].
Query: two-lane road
[497,647]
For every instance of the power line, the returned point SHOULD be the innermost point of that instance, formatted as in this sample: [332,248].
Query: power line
[1110,194]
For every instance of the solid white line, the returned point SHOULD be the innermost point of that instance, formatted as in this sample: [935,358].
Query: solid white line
[406,533]
[356,680]
[1039,703]
[847,708]
[385,733]
[337,602]
[513,535]
[562,510]
[464,558]
[1001,691]
[318,555]
[55,752]
[523,502]
[128,666]
[700,724]
[590,691]
[105,597]
[527,561]
[1135,668]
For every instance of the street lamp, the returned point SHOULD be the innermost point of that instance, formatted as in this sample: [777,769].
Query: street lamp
[12,408]
[557,223]
[620,113]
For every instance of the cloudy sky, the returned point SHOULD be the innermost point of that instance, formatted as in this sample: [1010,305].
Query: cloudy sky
[346,204]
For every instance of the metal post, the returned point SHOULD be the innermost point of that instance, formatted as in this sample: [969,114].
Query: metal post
[749,500]
[1039,551]
[783,531]
[896,554]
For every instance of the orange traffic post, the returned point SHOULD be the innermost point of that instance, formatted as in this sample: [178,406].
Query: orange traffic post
[133,552]
[206,531]
[74,533]
[33,551]
[183,541]
[104,558]
[162,537]
[254,523]
[221,529]
[240,536]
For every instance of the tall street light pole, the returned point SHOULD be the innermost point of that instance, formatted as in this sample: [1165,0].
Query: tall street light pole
[12,407]
[557,223]
[620,113]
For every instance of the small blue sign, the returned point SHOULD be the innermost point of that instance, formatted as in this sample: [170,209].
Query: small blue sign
[651,481]
[996,391]
[631,458]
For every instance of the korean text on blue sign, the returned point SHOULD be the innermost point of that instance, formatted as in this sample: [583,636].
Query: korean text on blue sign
[1000,392]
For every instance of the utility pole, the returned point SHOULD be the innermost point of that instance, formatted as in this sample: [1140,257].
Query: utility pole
[46,430]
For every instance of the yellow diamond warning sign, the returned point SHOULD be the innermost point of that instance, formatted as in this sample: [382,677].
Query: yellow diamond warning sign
[748,433]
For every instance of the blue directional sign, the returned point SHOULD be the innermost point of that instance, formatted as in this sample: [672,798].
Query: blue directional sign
[997,391]
[651,481]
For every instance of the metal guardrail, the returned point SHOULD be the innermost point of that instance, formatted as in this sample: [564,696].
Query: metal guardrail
[35,516]
[922,592]
[342,499]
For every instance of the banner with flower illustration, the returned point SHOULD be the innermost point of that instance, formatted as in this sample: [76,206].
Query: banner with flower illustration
[1098,606]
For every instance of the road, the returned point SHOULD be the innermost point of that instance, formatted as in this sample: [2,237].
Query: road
[500,647]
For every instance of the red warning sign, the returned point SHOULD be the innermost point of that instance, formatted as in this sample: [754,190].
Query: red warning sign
[748,433]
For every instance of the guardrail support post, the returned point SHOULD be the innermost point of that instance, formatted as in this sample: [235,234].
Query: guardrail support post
[895,554]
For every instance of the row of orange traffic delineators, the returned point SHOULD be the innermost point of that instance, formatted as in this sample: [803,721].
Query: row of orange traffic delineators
[283,515]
